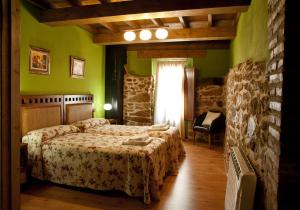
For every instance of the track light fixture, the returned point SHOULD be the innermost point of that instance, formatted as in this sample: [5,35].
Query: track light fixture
[146,34]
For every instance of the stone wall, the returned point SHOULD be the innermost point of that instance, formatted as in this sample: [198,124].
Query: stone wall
[209,95]
[247,102]
[253,109]
[138,100]
[276,10]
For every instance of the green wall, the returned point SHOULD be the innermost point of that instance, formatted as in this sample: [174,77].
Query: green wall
[252,34]
[62,42]
[214,64]
[138,66]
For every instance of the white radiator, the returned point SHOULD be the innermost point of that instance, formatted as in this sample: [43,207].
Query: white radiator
[241,182]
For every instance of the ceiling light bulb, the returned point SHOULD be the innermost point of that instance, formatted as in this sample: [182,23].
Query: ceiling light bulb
[129,36]
[145,35]
[161,33]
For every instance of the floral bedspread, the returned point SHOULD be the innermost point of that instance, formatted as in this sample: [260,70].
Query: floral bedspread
[117,130]
[100,162]
[35,140]
[175,146]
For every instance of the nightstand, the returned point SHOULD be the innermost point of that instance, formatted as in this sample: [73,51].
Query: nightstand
[23,163]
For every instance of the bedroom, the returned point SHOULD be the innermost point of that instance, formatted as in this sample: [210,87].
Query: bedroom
[251,59]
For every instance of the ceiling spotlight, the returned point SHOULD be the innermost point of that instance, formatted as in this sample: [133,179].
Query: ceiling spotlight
[145,35]
[129,36]
[161,33]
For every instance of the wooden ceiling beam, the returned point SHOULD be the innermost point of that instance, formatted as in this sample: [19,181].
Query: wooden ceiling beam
[57,4]
[75,2]
[198,24]
[133,24]
[40,4]
[90,2]
[175,35]
[89,28]
[113,1]
[171,53]
[236,19]
[157,22]
[180,46]
[112,27]
[183,22]
[210,20]
[137,10]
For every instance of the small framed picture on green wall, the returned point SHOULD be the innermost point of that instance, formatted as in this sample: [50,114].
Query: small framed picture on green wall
[39,61]
[77,67]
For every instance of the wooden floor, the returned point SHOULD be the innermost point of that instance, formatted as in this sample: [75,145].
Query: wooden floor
[200,185]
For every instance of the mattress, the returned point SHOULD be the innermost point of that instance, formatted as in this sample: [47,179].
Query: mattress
[175,148]
[100,162]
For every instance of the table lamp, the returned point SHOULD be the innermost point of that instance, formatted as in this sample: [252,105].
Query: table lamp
[107,107]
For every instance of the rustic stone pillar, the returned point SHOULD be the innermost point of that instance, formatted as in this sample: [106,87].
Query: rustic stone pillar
[138,100]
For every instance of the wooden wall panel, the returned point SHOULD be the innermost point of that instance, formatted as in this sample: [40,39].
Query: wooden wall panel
[10,104]
[189,93]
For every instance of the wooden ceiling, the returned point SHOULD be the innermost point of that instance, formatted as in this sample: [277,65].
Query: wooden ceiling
[186,20]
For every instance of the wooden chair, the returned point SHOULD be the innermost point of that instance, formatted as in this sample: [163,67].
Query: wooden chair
[216,127]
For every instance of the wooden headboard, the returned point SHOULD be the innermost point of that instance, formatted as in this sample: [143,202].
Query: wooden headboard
[77,107]
[40,111]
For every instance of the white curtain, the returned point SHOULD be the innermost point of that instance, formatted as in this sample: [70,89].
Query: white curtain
[169,102]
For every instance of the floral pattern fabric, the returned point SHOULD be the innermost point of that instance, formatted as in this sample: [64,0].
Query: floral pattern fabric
[91,123]
[175,146]
[35,140]
[101,162]
[118,130]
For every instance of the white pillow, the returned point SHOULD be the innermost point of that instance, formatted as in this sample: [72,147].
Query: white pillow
[210,116]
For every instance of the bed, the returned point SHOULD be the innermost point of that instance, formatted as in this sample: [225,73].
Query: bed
[175,148]
[62,154]
[83,120]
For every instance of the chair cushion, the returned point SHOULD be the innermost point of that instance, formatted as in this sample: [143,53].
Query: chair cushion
[201,128]
[210,117]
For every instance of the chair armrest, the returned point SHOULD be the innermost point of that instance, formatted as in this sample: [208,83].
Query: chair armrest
[198,121]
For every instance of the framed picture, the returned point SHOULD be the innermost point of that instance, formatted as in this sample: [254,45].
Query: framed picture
[39,61]
[77,67]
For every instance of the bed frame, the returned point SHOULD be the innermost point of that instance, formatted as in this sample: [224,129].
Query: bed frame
[40,111]
[77,107]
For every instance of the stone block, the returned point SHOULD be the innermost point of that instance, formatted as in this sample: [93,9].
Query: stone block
[274,105]
[274,78]
[278,91]
[279,48]
[274,133]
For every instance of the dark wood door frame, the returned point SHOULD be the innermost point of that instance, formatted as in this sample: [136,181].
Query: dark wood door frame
[9,105]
